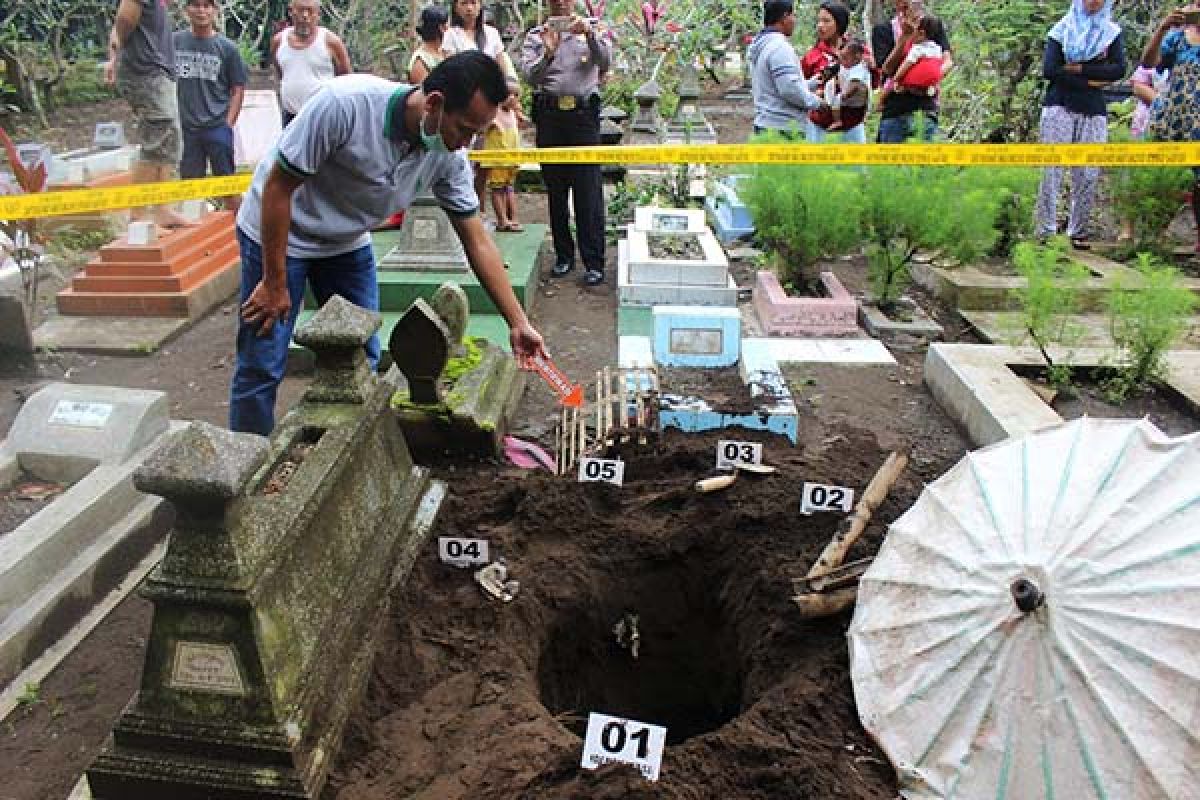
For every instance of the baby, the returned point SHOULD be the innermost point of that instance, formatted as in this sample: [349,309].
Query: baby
[850,88]
[921,71]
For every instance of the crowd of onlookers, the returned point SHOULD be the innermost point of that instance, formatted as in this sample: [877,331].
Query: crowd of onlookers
[831,88]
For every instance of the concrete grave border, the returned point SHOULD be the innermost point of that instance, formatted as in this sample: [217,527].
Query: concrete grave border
[975,385]
[782,315]
[970,288]
[60,569]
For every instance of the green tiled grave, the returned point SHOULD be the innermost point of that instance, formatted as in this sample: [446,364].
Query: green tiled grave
[399,288]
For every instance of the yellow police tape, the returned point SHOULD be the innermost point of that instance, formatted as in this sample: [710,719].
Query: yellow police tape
[83,201]
[1144,154]
[1136,154]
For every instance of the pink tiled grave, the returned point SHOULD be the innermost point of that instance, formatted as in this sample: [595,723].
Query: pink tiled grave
[781,315]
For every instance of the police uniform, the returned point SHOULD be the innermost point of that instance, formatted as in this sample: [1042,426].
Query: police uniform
[566,111]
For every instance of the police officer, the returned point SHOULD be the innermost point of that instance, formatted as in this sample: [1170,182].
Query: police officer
[563,60]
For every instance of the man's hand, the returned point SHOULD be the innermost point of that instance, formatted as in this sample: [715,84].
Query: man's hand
[267,305]
[526,344]
[110,71]
[550,39]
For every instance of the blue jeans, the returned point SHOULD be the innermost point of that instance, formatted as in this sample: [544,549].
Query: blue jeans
[262,360]
[856,135]
[898,130]
[211,146]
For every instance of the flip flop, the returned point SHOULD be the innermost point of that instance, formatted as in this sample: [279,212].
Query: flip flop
[527,455]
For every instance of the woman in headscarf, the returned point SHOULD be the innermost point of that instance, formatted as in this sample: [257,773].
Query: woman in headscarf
[1084,53]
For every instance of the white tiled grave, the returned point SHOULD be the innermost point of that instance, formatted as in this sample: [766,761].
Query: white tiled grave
[646,281]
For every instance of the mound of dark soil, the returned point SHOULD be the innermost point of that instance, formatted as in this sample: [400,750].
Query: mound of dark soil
[475,699]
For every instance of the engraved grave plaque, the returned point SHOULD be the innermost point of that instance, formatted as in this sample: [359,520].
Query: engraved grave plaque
[205,667]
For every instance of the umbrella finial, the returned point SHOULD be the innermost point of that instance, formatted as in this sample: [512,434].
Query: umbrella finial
[1026,594]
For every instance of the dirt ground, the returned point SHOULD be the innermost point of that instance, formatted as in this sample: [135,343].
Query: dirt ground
[472,699]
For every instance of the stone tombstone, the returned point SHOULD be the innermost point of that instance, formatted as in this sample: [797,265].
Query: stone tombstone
[689,95]
[451,304]
[338,334]
[16,333]
[428,242]
[614,114]
[65,430]
[108,136]
[272,595]
[420,345]
[647,96]
[34,153]
[689,123]
[610,132]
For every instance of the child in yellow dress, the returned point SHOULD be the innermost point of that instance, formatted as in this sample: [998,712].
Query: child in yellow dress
[505,134]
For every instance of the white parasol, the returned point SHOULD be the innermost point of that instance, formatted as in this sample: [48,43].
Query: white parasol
[1031,626]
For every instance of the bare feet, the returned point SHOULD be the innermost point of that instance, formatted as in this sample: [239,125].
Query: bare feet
[169,219]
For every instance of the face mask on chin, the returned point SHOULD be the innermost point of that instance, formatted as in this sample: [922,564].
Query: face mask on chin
[433,142]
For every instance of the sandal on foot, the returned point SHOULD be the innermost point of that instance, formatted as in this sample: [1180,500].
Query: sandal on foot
[1080,243]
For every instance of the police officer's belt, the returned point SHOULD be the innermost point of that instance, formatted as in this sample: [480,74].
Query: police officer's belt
[565,102]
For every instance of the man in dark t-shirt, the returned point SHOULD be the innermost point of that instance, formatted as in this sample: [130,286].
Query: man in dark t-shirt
[211,84]
[901,106]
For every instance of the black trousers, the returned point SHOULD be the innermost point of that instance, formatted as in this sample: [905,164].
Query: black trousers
[580,127]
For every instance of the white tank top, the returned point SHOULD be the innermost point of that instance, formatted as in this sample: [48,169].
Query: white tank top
[303,71]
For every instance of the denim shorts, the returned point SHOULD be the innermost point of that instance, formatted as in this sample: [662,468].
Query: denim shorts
[156,110]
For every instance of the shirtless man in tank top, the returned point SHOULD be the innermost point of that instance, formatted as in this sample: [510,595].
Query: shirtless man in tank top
[305,56]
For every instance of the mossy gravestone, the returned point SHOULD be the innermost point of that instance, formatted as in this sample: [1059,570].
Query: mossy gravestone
[458,405]
[274,587]
[451,305]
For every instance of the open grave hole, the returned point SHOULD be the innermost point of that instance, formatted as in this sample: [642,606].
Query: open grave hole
[474,699]
[686,675]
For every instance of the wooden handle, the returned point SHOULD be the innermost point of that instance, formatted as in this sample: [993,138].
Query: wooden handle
[716,483]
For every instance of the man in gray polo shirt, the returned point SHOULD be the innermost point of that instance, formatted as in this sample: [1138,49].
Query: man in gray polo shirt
[361,149]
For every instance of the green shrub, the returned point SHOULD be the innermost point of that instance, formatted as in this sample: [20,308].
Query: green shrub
[1048,301]
[618,91]
[1144,323]
[910,208]
[1149,197]
[804,213]
[83,82]
[1016,188]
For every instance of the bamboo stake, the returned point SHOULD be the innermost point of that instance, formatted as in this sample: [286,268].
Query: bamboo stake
[826,604]
[558,464]
[608,405]
[599,402]
[853,526]
[848,532]
[582,435]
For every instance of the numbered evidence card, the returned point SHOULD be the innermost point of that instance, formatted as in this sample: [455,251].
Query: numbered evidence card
[623,741]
